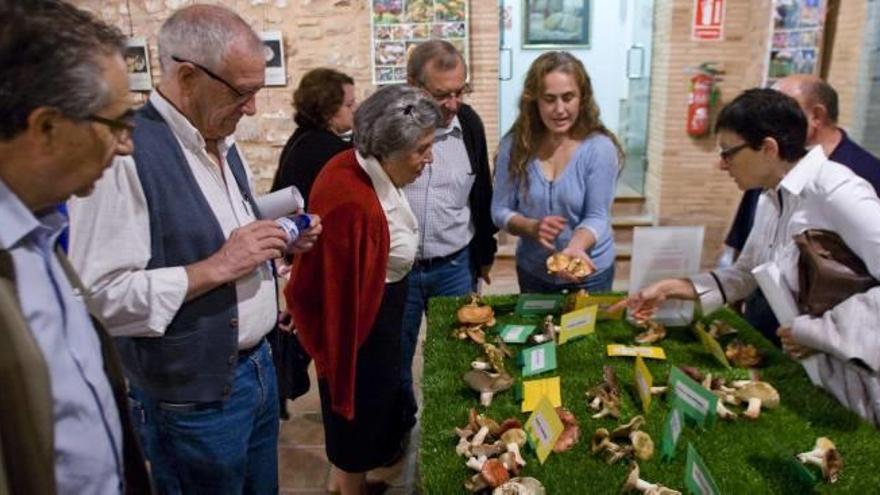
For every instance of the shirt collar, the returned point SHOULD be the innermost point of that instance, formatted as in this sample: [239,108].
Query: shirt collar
[19,222]
[454,129]
[181,127]
[804,171]
[381,181]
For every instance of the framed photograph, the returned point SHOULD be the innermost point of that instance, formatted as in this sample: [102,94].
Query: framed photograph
[273,49]
[556,24]
[137,62]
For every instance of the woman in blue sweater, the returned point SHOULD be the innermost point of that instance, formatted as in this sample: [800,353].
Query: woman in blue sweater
[555,176]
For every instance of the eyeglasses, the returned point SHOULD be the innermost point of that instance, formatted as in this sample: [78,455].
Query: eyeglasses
[121,127]
[727,154]
[444,97]
[241,96]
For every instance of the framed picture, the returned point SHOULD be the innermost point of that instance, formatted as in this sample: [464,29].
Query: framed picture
[137,62]
[556,24]
[273,49]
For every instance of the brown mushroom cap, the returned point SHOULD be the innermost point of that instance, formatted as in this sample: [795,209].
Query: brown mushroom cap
[642,444]
[494,473]
[520,486]
[478,380]
[759,390]
[623,431]
[832,465]
[514,435]
[557,262]
[596,440]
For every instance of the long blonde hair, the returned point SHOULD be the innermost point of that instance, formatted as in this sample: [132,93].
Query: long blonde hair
[528,130]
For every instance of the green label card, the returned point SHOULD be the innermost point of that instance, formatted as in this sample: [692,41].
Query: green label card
[644,380]
[531,304]
[696,402]
[516,334]
[711,345]
[697,478]
[577,324]
[538,359]
[671,431]
[543,428]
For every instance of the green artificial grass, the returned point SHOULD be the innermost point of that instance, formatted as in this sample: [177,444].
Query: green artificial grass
[743,456]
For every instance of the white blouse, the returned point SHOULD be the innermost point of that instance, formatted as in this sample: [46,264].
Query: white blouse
[402,225]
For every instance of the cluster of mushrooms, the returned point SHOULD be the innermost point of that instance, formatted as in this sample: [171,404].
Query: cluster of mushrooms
[755,394]
[654,332]
[472,317]
[627,441]
[826,456]
[635,483]
[493,451]
[563,263]
[742,355]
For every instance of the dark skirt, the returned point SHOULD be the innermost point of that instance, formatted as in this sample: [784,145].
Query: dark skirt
[374,436]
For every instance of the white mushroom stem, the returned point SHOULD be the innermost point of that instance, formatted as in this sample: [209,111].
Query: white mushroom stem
[812,457]
[463,448]
[596,404]
[476,463]
[480,365]
[658,390]
[723,412]
[754,409]
[740,383]
[643,486]
[480,437]
[601,414]
[513,448]
[486,397]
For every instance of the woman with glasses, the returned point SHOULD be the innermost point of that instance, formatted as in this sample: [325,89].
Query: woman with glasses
[347,294]
[762,140]
[325,105]
[555,177]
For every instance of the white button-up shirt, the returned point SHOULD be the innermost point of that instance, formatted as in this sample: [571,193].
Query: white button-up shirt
[402,226]
[110,243]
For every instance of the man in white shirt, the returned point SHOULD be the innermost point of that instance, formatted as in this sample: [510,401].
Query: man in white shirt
[173,251]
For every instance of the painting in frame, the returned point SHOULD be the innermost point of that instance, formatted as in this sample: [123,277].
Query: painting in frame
[556,24]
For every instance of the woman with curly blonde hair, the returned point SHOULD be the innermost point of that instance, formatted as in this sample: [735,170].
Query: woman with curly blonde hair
[555,176]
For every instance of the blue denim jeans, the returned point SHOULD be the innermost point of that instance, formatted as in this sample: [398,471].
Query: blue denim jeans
[228,447]
[452,277]
[598,282]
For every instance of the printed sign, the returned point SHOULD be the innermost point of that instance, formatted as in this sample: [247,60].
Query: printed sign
[604,302]
[516,334]
[671,432]
[578,323]
[273,52]
[633,351]
[137,63]
[708,20]
[644,380]
[538,359]
[541,304]
[697,478]
[534,390]
[695,401]
[711,345]
[543,428]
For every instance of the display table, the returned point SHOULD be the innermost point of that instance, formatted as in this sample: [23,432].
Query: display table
[743,456]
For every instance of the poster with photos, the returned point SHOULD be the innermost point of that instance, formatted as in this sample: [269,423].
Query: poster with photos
[273,51]
[795,38]
[399,25]
[137,63]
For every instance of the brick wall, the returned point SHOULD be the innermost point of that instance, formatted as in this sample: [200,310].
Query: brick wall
[333,33]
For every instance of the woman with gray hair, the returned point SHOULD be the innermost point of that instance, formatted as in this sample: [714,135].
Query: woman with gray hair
[347,294]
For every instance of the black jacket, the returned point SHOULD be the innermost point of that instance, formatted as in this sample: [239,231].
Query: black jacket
[303,157]
[483,246]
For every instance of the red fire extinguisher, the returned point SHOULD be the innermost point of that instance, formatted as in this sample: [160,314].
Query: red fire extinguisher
[702,96]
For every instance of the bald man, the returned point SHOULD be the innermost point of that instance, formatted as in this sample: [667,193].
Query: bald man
[818,100]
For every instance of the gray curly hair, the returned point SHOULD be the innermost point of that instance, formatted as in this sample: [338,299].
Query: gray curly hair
[393,119]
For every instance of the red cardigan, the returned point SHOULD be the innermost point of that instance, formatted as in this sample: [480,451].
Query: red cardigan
[336,289]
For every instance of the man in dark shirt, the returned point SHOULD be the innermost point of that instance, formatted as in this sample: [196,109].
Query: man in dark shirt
[819,103]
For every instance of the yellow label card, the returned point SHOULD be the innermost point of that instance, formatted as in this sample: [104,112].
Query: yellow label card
[534,390]
[633,351]
[711,345]
[543,428]
[582,301]
[644,381]
[578,323]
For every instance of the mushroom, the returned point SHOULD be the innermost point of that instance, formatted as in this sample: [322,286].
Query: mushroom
[758,395]
[480,436]
[488,449]
[494,473]
[723,412]
[483,420]
[520,486]
[624,452]
[605,397]
[642,445]
[743,355]
[508,460]
[550,330]
[496,358]
[719,328]
[557,262]
[475,463]
[513,448]
[487,384]
[658,390]
[480,364]
[463,448]
[826,456]
[570,433]
[476,483]
[655,331]
[508,424]
[624,431]
[601,441]
[634,482]
[514,435]
[474,313]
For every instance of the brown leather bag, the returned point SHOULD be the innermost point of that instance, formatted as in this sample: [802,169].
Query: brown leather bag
[828,271]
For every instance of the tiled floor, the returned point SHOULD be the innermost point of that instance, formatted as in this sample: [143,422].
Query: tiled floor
[302,463]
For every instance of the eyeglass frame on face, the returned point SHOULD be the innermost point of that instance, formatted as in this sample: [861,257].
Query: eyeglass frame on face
[727,154]
[121,127]
[459,94]
[240,96]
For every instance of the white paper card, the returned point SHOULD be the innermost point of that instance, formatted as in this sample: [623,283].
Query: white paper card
[137,63]
[666,252]
[273,50]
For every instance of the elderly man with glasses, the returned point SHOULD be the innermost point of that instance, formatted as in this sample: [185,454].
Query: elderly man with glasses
[451,200]
[174,251]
